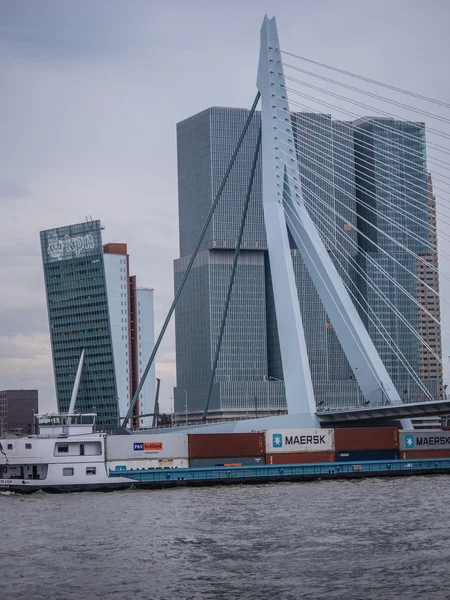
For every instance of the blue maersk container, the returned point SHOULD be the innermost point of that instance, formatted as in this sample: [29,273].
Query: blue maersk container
[362,455]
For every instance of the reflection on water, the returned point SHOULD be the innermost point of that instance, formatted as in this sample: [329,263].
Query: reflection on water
[383,539]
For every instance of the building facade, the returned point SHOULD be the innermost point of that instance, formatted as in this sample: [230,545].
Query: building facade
[395,214]
[131,314]
[88,290]
[243,382]
[428,288]
[338,167]
[17,411]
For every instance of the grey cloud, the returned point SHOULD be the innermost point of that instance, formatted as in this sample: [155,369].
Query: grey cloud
[15,321]
[10,190]
[60,31]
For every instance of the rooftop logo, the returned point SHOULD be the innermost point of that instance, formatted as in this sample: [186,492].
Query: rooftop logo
[277,440]
[60,246]
[409,441]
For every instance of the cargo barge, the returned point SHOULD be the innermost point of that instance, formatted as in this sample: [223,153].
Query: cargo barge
[69,456]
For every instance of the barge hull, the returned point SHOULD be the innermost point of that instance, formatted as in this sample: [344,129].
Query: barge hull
[201,477]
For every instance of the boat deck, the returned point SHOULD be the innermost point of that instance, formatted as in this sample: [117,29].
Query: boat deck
[157,478]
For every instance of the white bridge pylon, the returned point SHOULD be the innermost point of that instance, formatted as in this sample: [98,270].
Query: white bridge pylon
[282,195]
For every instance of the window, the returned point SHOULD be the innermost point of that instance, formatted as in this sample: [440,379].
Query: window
[90,470]
[68,472]
[62,448]
[10,446]
[27,446]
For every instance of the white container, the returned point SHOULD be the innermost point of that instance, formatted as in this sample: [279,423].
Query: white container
[299,440]
[151,463]
[146,446]
[431,439]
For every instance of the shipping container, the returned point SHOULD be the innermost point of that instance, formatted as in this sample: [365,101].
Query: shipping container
[284,458]
[366,438]
[299,440]
[240,461]
[146,446]
[217,445]
[425,454]
[361,455]
[150,463]
[431,439]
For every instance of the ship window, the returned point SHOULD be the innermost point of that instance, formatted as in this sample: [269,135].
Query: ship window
[27,446]
[68,472]
[90,470]
[62,448]
[10,446]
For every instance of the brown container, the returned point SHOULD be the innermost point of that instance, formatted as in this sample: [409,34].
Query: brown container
[366,438]
[216,445]
[283,458]
[424,454]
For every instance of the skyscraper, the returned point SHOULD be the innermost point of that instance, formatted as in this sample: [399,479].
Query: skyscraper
[335,168]
[249,374]
[94,304]
[242,382]
[430,367]
[395,217]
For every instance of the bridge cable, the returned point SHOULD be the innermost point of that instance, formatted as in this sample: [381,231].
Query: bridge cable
[391,342]
[388,276]
[361,77]
[383,297]
[392,239]
[397,352]
[371,120]
[331,141]
[382,201]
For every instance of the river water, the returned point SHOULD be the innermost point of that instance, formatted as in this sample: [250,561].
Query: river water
[377,538]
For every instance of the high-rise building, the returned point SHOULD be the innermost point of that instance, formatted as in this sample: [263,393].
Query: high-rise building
[336,166]
[249,373]
[17,410]
[94,304]
[394,217]
[131,315]
[431,349]
[243,378]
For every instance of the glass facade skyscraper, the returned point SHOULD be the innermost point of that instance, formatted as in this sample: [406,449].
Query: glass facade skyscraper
[394,220]
[242,381]
[78,315]
[94,304]
[337,169]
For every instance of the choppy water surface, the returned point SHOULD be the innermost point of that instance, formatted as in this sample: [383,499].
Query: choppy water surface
[383,539]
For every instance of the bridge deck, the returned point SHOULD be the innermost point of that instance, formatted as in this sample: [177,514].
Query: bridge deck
[391,411]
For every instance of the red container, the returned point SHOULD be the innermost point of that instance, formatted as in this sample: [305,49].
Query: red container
[366,438]
[290,458]
[424,454]
[216,445]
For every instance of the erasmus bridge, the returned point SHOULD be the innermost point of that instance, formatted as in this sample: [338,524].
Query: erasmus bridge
[396,208]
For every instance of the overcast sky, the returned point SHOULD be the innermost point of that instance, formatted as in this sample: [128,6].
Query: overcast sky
[91,91]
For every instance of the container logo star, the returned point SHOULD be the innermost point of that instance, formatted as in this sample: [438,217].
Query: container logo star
[277,440]
[409,441]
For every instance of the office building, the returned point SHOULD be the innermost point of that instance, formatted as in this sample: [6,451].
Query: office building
[430,331]
[94,303]
[392,180]
[249,374]
[17,410]
[335,168]
[243,381]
